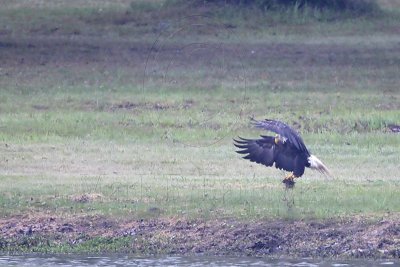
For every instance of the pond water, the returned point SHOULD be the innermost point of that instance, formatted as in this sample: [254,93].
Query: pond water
[198,261]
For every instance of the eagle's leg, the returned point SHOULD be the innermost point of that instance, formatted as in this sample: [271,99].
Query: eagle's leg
[289,180]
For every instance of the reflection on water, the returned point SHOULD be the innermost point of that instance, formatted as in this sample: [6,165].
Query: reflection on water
[197,261]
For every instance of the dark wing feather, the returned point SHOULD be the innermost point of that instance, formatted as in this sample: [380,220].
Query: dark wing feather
[284,130]
[266,152]
[261,150]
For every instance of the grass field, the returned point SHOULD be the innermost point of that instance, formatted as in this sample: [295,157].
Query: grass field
[101,114]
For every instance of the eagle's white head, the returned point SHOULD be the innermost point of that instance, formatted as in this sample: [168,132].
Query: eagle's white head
[316,164]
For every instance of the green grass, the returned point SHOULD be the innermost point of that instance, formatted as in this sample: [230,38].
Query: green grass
[98,124]
[139,179]
[40,244]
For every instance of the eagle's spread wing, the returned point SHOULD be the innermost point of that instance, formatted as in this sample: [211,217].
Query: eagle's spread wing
[283,130]
[261,151]
[265,151]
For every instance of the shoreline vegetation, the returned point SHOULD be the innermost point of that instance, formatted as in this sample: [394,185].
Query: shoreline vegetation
[355,237]
[117,119]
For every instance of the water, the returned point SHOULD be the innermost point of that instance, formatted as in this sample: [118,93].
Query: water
[198,261]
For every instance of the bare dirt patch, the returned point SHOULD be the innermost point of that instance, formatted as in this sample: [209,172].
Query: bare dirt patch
[350,238]
[84,198]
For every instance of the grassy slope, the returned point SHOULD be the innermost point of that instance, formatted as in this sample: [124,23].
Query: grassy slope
[93,122]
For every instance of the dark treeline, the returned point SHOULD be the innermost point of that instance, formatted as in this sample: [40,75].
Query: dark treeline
[357,6]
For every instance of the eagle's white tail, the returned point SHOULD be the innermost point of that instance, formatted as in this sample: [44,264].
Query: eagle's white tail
[317,164]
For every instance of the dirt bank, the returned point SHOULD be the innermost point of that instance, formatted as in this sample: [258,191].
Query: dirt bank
[350,238]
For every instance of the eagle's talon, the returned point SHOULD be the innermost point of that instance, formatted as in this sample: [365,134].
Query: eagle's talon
[290,176]
[289,180]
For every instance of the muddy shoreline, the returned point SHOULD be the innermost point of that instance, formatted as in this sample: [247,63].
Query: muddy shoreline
[346,238]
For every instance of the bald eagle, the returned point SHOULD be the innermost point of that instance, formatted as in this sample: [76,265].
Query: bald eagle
[287,150]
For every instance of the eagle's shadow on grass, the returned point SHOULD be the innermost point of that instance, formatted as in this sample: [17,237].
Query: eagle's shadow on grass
[288,198]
